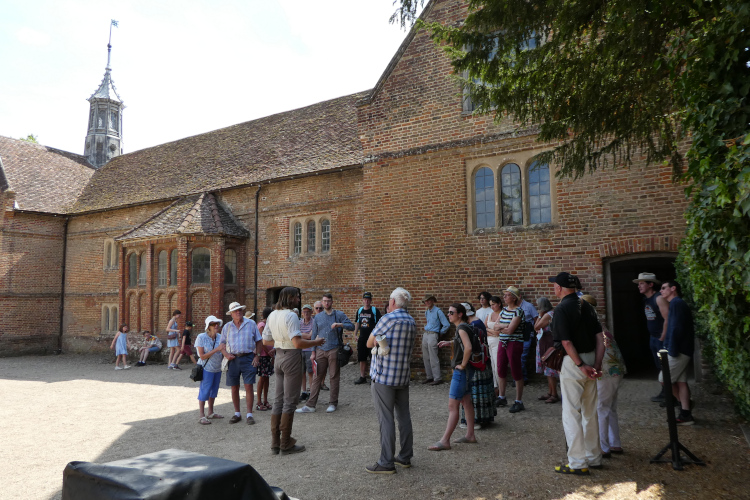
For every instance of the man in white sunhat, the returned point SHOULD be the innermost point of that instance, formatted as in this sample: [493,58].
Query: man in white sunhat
[656,309]
[243,340]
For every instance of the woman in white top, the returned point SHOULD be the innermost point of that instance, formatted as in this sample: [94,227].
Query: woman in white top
[493,339]
[283,333]
[543,321]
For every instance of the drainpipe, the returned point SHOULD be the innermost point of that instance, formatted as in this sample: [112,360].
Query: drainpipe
[62,286]
[255,276]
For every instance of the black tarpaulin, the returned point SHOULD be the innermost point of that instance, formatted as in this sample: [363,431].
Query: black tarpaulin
[165,475]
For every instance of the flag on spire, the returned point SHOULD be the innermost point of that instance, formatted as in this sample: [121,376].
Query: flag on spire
[114,23]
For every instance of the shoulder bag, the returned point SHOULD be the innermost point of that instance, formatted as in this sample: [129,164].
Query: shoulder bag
[553,358]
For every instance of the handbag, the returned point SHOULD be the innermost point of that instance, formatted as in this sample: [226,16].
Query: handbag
[172,335]
[553,358]
[196,374]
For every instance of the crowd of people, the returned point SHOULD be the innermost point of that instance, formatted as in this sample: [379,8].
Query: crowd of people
[301,346]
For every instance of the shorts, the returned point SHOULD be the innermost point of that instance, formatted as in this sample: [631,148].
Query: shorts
[154,348]
[308,361]
[187,350]
[265,367]
[209,388]
[173,342]
[241,366]
[678,368]
[460,383]
[363,352]
[509,353]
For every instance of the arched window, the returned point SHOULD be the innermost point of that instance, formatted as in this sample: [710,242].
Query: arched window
[105,320]
[230,266]
[297,238]
[163,268]
[108,255]
[173,268]
[510,182]
[201,265]
[133,269]
[311,236]
[540,204]
[484,197]
[142,272]
[325,235]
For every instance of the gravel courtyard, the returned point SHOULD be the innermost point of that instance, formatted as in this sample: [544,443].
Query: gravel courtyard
[66,408]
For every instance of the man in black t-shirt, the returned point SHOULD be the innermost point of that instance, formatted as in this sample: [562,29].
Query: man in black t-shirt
[365,321]
[576,327]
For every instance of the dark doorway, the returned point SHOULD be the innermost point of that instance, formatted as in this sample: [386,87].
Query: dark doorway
[272,295]
[625,307]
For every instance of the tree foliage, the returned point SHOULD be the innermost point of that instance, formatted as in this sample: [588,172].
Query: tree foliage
[607,80]
[30,138]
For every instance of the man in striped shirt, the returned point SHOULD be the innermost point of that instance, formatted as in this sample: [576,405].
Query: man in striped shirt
[390,374]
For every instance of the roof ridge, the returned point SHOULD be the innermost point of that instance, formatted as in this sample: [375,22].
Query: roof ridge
[191,214]
[215,212]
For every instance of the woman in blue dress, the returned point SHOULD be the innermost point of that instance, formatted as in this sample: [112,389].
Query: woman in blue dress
[120,345]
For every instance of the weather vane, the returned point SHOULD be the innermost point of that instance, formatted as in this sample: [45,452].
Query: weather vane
[109,44]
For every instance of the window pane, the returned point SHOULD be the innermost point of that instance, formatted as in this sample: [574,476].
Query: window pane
[297,238]
[540,206]
[163,268]
[113,323]
[173,268]
[201,265]
[105,318]
[133,269]
[230,266]
[108,255]
[311,237]
[325,235]
[511,195]
[143,270]
[484,191]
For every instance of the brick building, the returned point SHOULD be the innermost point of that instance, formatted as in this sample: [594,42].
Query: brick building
[400,185]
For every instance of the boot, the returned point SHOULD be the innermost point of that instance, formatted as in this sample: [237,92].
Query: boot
[288,443]
[275,434]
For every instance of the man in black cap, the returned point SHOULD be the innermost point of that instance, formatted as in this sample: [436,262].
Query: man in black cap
[365,321]
[576,326]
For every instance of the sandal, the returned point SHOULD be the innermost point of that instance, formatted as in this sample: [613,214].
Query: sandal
[465,440]
[552,399]
[545,397]
[215,415]
[204,421]
[268,405]
[438,447]
[261,407]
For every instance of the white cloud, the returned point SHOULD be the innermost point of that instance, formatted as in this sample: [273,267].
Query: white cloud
[32,37]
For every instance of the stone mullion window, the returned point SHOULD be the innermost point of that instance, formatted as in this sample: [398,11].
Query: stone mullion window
[309,235]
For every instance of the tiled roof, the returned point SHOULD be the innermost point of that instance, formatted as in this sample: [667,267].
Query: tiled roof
[315,138]
[195,214]
[44,179]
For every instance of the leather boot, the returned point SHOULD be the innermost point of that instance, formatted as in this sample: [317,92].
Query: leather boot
[288,443]
[275,434]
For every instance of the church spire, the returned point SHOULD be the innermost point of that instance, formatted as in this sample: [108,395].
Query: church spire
[104,137]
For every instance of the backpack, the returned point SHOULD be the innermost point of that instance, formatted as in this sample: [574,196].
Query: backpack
[479,352]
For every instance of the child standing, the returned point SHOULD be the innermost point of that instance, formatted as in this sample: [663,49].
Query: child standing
[120,345]
[613,369]
[186,348]
[265,366]
[173,342]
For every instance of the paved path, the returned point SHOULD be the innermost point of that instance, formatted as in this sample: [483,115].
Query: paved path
[64,408]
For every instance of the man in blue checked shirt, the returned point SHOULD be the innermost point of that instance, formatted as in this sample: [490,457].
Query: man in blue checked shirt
[394,335]
[436,324]
[243,340]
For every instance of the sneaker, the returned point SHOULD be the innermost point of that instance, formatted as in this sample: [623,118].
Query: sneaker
[305,409]
[462,425]
[659,397]
[501,402]
[477,426]
[330,409]
[685,419]
[360,380]
[304,396]
[118,368]
[663,404]
[427,381]
[177,367]
[516,407]
[140,363]
[235,419]
[250,421]
[325,387]
[379,469]
[127,367]
[169,367]
[402,463]
[565,469]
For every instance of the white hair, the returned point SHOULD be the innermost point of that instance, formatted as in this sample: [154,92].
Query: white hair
[402,297]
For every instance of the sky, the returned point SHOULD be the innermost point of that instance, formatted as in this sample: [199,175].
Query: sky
[183,67]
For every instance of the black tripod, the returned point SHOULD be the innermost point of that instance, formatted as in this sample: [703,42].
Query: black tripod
[674,444]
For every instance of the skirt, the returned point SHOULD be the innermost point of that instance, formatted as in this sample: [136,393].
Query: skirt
[482,388]
[265,366]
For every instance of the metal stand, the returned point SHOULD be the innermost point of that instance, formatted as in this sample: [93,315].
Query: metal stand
[674,444]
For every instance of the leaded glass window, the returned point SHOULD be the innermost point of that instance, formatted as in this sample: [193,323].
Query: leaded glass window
[540,203]
[201,265]
[510,183]
[325,235]
[484,197]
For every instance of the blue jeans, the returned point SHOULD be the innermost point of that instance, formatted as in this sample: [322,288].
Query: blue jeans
[529,349]
[655,344]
